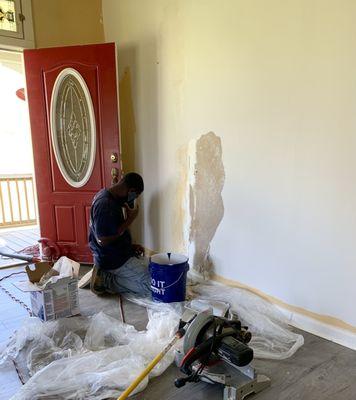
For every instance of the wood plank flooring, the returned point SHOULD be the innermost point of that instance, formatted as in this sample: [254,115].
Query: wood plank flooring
[320,370]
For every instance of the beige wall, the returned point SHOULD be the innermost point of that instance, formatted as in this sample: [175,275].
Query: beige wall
[67,22]
[275,81]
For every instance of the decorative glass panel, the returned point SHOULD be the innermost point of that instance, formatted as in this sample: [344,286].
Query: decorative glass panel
[8,16]
[73,127]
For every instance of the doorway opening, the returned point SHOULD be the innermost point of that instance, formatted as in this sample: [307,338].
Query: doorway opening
[18,203]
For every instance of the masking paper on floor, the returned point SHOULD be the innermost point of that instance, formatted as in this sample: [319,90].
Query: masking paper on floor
[88,357]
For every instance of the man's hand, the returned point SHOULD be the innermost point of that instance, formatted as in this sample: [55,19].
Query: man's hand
[138,250]
[131,213]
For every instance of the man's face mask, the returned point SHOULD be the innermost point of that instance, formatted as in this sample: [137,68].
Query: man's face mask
[131,196]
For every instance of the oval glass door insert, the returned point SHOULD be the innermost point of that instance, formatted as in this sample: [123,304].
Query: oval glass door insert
[73,127]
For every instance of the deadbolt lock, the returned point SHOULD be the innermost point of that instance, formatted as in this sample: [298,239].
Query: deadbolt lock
[114,157]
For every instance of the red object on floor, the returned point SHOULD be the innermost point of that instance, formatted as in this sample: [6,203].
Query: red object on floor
[33,251]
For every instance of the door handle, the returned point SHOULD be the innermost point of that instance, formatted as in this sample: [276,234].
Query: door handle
[114,157]
[114,175]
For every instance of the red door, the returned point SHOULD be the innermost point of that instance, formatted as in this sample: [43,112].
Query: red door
[72,96]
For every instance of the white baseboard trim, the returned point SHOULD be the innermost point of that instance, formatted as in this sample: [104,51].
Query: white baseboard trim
[326,331]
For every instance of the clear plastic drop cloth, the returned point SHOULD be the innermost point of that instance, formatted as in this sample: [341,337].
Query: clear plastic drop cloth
[88,357]
[98,357]
[272,337]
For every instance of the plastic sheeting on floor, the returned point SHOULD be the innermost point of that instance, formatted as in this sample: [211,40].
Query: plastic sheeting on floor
[272,337]
[89,358]
[98,357]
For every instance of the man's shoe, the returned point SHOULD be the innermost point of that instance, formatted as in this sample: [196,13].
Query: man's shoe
[96,282]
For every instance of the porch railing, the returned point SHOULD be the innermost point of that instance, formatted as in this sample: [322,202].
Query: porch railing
[17,201]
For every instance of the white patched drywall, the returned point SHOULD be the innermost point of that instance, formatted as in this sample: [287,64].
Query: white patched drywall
[276,82]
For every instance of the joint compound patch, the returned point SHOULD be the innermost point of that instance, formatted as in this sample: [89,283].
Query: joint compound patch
[206,203]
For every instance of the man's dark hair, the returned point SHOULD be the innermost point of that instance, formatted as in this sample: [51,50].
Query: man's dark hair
[134,181]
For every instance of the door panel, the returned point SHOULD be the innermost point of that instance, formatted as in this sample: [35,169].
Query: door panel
[65,233]
[72,95]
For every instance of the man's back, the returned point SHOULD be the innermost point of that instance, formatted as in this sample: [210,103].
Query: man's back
[106,216]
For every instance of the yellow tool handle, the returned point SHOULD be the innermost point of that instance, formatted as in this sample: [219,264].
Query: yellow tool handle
[147,370]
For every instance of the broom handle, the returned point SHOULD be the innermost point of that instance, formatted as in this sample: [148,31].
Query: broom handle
[23,257]
[148,369]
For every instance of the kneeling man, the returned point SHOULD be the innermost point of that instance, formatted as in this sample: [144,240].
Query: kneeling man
[119,265]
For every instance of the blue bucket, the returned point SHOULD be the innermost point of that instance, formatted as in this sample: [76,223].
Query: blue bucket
[168,277]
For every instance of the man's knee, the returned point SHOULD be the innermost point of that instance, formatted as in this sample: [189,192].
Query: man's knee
[97,282]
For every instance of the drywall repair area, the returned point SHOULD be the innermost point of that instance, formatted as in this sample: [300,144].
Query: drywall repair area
[274,209]
[205,201]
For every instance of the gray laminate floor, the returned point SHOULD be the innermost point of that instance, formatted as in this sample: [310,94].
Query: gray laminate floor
[320,370]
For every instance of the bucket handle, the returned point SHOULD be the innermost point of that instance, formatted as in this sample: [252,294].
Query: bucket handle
[180,276]
[172,284]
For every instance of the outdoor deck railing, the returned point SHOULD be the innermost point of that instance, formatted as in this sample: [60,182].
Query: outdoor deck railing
[17,201]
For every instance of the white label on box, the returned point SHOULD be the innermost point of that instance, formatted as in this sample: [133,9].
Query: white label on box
[58,300]
[48,305]
[73,296]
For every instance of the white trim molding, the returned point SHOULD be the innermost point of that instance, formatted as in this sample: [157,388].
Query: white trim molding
[301,319]
[330,332]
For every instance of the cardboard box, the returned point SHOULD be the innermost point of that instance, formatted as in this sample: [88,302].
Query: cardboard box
[56,298]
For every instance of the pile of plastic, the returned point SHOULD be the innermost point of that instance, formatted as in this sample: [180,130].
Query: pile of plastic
[272,337]
[98,357]
[88,358]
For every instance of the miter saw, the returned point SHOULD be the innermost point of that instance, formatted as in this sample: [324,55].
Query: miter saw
[215,350]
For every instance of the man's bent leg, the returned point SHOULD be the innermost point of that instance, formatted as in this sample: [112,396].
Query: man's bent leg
[96,281]
[132,277]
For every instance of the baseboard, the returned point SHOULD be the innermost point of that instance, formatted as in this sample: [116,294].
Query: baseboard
[326,331]
[301,320]
[327,327]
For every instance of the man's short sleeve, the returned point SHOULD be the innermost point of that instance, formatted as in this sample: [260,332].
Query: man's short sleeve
[104,219]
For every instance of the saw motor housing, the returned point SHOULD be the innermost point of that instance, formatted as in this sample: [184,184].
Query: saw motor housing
[209,340]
